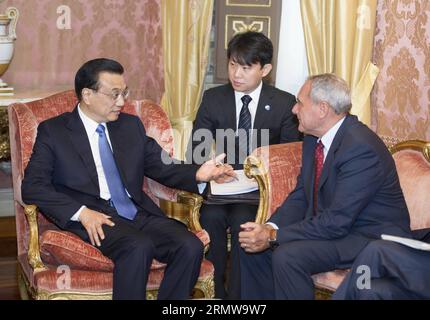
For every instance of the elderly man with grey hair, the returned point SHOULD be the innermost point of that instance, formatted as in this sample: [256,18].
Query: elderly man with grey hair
[347,194]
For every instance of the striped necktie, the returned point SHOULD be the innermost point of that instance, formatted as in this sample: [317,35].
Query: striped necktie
[245,123]
[318,164]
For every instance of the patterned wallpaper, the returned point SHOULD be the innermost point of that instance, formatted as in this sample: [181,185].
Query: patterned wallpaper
[401,98]
[55,37]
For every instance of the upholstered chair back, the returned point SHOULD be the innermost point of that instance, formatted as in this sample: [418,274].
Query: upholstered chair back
[413,167]
[277,167]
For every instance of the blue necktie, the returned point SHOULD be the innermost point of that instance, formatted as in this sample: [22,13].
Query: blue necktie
[245,122]
[123,205]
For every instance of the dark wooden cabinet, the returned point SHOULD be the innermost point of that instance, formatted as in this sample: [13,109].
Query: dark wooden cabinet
[234,16]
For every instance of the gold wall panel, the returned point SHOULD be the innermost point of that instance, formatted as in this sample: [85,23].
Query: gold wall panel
[240,23]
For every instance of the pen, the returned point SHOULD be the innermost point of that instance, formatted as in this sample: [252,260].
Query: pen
[219,163]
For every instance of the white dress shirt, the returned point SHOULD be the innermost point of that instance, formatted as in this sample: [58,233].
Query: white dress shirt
[93,137]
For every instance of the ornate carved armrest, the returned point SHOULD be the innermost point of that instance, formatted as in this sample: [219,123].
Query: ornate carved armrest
[190,216]
[275,169]
[33,249]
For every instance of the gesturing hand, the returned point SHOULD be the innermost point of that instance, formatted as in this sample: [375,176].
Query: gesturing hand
[215,170]
[92,222]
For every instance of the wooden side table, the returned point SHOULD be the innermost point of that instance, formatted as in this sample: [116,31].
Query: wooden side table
[22,96]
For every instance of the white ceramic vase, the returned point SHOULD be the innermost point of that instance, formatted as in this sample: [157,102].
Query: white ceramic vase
[8,22]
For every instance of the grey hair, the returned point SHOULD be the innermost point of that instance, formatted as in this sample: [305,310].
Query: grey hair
[331,89]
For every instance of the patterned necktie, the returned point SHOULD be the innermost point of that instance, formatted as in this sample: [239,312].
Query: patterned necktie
[319,162]
[123,205]
[245,123]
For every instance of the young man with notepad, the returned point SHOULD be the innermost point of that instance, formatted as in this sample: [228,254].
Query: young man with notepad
[239,109]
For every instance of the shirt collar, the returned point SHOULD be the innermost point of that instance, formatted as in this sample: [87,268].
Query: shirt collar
[328,137]
[89,124]
[255,95]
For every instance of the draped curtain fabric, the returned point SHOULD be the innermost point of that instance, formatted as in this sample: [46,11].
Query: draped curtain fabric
[339,39]
[401,99]
[48,52]
[186,39]
[291,36]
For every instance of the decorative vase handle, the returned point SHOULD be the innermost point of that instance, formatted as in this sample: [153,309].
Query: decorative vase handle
[13,14]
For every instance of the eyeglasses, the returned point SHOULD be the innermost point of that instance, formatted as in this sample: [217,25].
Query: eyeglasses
[116,94]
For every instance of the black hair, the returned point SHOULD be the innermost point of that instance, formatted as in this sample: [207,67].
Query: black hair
[88,75]
[250,47]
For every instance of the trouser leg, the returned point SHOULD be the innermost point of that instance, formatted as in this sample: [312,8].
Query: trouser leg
[256,275]
[213,219]
[294,263]
[238,215]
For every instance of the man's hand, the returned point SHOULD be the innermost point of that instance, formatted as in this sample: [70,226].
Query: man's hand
[92,222]
[215,170]
[254,237]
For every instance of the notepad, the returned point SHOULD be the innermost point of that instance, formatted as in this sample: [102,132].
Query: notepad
[239,186]
[416,244]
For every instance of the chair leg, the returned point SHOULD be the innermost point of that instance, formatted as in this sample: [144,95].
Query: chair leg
[323,294]
[22,285]
[205,287]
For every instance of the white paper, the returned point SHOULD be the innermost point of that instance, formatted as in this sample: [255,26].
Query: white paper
[416,244]
[239,186]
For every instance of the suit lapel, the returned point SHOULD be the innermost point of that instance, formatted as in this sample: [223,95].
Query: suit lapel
[262,116]
[309,168]
[119,147]
[228,104]
[80,141]
[333,148]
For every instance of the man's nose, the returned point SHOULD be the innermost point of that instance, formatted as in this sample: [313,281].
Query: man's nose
[120,101]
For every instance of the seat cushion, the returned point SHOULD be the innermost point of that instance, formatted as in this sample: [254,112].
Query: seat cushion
[330,280]
[65,248]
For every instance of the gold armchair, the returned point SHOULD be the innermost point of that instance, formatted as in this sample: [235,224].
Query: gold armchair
[276,168]
[44,250]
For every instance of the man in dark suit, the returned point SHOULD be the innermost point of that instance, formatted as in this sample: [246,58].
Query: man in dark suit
[86,175]
[347,194]
[238,117]
[395,271]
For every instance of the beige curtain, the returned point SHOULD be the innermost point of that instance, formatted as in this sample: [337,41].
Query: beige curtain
[186,37]
[339,39]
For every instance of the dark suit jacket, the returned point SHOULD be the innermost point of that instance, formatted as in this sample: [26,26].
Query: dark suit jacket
[218,111]
[359,194]
[61,175]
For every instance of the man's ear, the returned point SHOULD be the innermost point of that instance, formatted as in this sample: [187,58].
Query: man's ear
[324,108]
[86,93]
[266,69]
